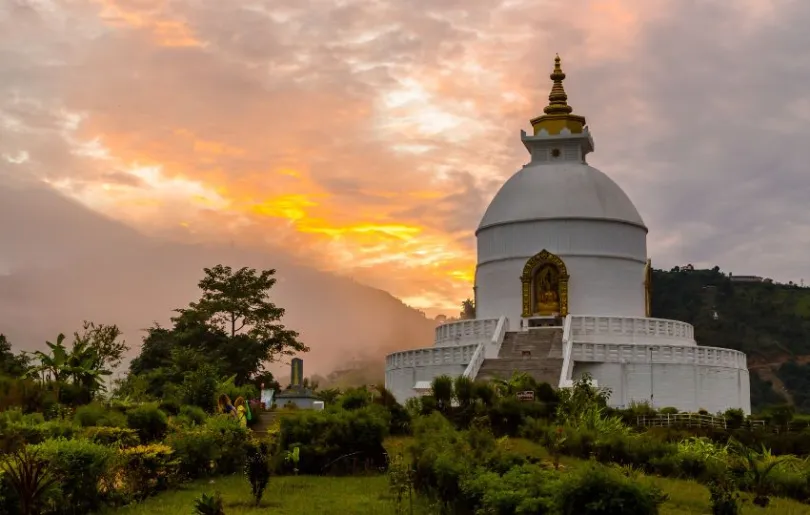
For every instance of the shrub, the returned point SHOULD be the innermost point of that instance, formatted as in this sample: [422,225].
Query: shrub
[231,439]
[257,470]
[79,466]
[95,414]
[149,421]
[336,442]
[112,436]
[200,388]
[30,477]
[193,414]
[147,469]
[597,490]
[523,489]
[197,450]
[18,433]
[355,398]
[209,505]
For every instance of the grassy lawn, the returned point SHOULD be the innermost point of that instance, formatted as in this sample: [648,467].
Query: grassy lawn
[307,495]
[302,495]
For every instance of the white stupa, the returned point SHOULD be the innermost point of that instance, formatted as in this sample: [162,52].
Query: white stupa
[562,288]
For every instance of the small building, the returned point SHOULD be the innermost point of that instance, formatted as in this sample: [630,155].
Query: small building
[297,394]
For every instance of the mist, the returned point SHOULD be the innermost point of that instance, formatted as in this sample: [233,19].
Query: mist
[62,263]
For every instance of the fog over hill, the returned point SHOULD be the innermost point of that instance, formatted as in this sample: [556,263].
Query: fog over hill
[63,263]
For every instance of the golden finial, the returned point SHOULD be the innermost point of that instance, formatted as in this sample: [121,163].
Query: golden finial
[558,113]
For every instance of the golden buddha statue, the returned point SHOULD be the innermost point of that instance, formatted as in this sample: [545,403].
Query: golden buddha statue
[547,300]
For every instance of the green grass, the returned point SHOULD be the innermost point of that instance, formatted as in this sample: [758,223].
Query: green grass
[287,495]
[308,495]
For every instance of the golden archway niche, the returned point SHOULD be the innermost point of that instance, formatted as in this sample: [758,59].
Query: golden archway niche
[545,285]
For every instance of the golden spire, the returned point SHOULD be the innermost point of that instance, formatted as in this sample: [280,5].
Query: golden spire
[558,113]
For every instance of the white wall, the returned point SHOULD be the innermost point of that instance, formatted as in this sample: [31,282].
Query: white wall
[605,262]
[400,381]
[686,386]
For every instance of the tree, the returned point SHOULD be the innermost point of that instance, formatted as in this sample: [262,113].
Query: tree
[10,364]
[467,310]
[104,341]
[234,327]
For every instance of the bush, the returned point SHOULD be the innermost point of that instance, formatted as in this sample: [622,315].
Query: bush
[523,489]
[147,469]
[597,490]
[149,421]
[336,441]
[197,450]
[80,466]
[16,434]
[95,414]
[257,470]
[194,414]
[112,436]
[231,439]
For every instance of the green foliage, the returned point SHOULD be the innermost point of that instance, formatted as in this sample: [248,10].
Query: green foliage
[197,450]
[200,387]
[257,469]
[79,465]
[231,438]
[194,414]
[29,430]
[401,481]
[209,505]
[11,365]
[150,422]
[112,436]
[337,441]
[96,414]
[602,491]
[30,477]
[725,498]
[146,470]
[355,398]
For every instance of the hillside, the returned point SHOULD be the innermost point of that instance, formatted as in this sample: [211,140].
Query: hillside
[770,322]
[66,263]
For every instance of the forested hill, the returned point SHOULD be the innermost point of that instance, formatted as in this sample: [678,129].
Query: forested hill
[768,321]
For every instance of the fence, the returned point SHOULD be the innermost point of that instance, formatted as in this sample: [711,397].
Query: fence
[692,420]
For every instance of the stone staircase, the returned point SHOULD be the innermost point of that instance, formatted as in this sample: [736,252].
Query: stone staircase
[537,352]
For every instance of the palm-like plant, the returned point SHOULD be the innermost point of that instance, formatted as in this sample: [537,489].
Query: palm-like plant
[757,467]
[29,476]
[54,366]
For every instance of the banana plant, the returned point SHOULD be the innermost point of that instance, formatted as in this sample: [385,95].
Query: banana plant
[53,366]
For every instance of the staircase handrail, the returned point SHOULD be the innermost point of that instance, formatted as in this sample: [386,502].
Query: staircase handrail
[480,353]
[568,345]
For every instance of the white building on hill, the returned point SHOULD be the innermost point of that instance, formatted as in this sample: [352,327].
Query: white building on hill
[562,288]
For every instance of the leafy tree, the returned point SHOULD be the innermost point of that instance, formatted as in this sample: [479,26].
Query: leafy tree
[54,365]
[233,327]
[10,364]
[467,310]
[104,340]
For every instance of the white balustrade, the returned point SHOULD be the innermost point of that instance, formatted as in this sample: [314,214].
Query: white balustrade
[459,355]
[602,329]
[487,349]
[568,363]
[673,354]
[464,332]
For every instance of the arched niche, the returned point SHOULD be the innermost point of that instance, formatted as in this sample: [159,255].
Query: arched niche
[648,288]
[545,285]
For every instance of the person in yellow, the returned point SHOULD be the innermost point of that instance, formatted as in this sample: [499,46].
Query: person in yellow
[241,411]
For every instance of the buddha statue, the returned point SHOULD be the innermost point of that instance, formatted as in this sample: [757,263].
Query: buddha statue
[547,300]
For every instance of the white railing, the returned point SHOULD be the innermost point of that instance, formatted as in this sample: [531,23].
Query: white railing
[465,332]
[460,355]
[489,349]
[568,344]
[674,354]
[603,329]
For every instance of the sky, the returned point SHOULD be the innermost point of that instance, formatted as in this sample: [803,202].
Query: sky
[366,137]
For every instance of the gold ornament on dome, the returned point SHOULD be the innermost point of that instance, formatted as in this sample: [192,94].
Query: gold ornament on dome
[545,286]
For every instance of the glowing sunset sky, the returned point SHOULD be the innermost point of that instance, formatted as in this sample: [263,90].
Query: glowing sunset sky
[367,136]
